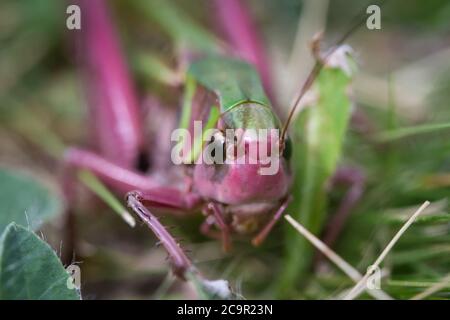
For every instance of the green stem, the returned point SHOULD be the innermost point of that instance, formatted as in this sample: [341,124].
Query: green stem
[153,67]
[189,93]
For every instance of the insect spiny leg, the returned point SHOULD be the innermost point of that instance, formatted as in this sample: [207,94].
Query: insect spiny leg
[180,262]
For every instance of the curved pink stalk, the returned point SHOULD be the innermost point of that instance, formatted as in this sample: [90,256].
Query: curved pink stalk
[112,100]
[236,23]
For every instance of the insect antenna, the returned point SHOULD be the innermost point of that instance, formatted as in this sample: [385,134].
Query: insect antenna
[360,19]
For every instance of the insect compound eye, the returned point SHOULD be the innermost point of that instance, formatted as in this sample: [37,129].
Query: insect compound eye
[215,150]
[287,152]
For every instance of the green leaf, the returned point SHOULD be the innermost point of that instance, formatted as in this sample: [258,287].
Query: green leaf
[318,140]
[25,200]
[30,269]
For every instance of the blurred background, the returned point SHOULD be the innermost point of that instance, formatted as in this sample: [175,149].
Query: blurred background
[403,82]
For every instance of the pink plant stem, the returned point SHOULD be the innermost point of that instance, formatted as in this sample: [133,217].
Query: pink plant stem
[236,23]
[113,104]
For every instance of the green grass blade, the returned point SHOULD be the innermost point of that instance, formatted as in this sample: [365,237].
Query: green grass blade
[411,131]
[198,142]
[179,26]
[96,186]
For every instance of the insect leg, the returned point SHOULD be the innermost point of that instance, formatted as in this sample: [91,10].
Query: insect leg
[180,262]
[205,227]
[262,235]
[221,224]
[119,178]
[124,180]
[355,179]
[112,99]
[168,197]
